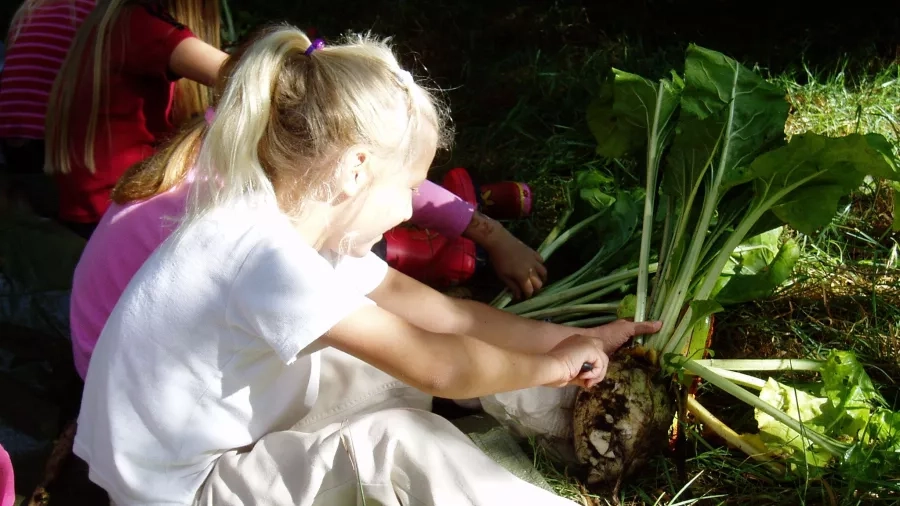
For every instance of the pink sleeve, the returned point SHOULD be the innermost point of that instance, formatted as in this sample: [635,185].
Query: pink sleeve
[437,208]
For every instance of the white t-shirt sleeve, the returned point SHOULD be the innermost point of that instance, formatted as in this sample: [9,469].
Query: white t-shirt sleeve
[364,274]
[288,295]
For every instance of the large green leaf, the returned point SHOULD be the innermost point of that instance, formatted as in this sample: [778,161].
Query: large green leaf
[801,453]
[727,111]
[627,108]
[882,146]
[615,138]
[850,393]
[804,180]
[594,188]
[756,274]
[895,224]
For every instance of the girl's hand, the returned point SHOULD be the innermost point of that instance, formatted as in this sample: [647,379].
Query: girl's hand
[613,335]
[572,354]
[519,267]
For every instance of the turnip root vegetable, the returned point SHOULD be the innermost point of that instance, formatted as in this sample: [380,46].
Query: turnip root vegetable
[622,421]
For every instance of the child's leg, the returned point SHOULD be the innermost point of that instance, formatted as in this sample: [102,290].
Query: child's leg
[349,387]
[394,457]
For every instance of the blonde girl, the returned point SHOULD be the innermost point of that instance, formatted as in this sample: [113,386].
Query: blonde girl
[120,93]
[212,354]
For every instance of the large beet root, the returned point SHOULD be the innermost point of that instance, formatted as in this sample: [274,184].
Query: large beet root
[622,421]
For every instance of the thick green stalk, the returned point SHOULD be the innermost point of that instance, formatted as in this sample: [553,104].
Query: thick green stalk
[540,301]
[675,263]
[584,299]
[675,300]
[744,380]
[590,322]
[663,255]
[833,447]
[768,364]
[572,309]
[649,202]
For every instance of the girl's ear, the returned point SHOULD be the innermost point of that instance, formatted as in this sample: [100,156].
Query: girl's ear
[354,171]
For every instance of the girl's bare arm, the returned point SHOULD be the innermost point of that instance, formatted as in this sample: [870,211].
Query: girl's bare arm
[198,61]
[431,310]
[457,366]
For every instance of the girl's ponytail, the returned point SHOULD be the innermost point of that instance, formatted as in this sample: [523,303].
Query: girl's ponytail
[228,165]
[285,114]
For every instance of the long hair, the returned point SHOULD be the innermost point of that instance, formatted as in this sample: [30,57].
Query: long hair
[87,60]
[283,117]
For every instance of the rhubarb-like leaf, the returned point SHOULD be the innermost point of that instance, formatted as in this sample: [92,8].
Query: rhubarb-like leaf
[759,282]
[803,181]
[801,453]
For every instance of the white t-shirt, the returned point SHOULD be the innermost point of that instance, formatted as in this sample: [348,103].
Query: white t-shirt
[204,352]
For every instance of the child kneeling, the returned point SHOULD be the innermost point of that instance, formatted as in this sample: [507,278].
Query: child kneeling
[213,352]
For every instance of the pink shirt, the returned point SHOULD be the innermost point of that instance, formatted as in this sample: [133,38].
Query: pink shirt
[127,235]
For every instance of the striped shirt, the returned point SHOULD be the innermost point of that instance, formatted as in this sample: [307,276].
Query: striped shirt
[33,60]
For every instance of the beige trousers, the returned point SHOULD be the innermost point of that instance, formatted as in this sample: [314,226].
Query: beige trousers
[370,440]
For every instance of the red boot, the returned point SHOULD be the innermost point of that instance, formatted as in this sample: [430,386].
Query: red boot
[506,200]
[430,257]
[459,182]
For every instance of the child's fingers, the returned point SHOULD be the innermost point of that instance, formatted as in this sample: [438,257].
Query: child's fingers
[536,282]
[541,271]
[598,371]
[513,286]
[527,288]
[647,327]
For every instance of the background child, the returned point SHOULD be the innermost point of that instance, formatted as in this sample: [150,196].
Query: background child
[39,37]
[209,356]
[115,106]
[442,250]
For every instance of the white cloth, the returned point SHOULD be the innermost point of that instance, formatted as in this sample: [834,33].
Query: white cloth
[534,412]
[396,457]
[202,353]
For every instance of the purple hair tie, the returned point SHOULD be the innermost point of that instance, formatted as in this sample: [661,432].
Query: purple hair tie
[316,44]
[210,115]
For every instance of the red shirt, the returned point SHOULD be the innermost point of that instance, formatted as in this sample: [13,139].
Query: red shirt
[134,112]
[33,60]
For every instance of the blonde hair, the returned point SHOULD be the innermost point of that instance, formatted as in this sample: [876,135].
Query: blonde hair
[284,118]
[23,13]
[90,51]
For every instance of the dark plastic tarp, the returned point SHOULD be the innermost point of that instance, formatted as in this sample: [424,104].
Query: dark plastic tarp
[40,389]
